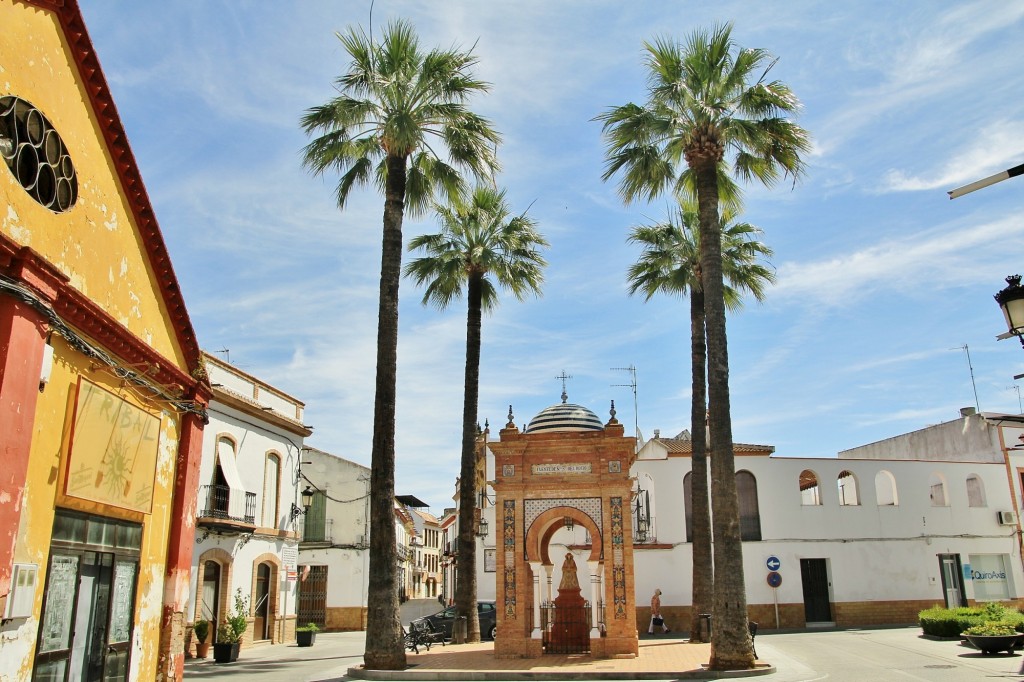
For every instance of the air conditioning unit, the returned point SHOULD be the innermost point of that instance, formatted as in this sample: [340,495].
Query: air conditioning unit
[1006,518]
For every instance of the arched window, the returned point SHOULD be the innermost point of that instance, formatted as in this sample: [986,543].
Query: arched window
[975,491]
[937,490]
[644,527]
[885,489]
[750,516]
[810,493]
[688,506]
[849,495]
[271,488]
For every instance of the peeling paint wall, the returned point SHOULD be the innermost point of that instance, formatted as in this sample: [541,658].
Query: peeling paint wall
[96,242]
[97,245]
[44,492]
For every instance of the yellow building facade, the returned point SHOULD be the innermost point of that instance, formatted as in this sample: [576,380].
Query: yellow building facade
[102,388]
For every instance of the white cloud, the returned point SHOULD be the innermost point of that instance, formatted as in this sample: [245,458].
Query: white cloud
[996,147]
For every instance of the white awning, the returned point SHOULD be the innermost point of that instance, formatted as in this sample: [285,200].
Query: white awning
[228,466]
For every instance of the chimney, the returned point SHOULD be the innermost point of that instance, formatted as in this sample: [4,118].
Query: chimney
[967,411]
[657,433]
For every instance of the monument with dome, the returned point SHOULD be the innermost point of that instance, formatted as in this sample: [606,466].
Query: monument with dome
[566,469]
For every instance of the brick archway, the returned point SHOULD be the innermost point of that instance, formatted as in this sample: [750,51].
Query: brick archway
[544,527]
[542,479]
[273,612]
[226,562]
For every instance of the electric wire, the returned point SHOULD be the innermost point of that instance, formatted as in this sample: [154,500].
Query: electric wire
[77,342]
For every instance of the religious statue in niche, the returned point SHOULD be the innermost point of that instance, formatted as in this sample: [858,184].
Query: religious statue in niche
[569,580]
[572,618]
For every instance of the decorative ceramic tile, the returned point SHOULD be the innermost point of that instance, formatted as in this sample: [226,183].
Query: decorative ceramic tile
[509,543]
[618,564]
[508,469]
[615,467]
[591,506]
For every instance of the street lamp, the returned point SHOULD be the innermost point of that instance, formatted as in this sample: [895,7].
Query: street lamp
[307,502]
[1011,301]
[482,528]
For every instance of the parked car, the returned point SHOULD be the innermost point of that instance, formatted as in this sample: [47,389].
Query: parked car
[443,621]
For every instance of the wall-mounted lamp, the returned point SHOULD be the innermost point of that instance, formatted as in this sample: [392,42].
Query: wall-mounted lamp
[307,502]
[568,522]
[1011,301]
[482,528]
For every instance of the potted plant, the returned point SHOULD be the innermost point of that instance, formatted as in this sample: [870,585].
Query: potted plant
[993,636]
[201,630]
[229,634]
[305,635]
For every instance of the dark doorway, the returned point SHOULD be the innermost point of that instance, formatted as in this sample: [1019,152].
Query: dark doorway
[313,596]
[88,606]
[261,626]
[209,604]
[814,574]
[952,580]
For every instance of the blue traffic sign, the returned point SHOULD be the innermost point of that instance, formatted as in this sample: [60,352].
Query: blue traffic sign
[774,579]
[773,563]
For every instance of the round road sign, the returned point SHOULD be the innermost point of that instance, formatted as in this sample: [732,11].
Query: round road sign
[774,579]
[773,563]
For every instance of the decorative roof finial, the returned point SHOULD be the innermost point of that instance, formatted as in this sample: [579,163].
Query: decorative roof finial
[563,376]
[612,412]
[511,419]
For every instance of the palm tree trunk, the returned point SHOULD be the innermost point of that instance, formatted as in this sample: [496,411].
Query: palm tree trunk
[465,589]
[703,583]
[731,646]
[385,649]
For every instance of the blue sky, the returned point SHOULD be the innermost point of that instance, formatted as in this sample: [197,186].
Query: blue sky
[881,278]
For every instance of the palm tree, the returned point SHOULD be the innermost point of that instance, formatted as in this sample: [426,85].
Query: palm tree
[397,106]
[670,264]
[480,247]
[704,104]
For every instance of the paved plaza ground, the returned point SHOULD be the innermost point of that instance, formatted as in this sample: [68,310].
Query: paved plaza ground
[876,655]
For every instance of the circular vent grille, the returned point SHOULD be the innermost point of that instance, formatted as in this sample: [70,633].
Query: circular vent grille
[36,155]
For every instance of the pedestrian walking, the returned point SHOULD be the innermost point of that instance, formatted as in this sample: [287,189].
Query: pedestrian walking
[657,620]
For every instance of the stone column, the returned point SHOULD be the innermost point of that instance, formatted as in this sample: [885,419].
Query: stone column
[548,594]
[536,566]
[595,595]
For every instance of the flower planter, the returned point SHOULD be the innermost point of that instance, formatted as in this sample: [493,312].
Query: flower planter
[990,644]
[226,652]
[305,637]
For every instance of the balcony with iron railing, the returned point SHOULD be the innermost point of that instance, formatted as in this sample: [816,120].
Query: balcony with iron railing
[217,511]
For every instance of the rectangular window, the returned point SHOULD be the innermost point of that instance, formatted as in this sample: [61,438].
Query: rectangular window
[990,577]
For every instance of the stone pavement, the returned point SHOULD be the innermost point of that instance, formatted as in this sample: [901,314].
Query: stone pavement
[661,657]
[339,655]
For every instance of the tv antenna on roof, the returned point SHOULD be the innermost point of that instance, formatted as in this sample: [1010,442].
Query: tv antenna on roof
[632,384]
[965,349]
[227,354]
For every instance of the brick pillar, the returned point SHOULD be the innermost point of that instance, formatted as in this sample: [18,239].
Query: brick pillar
[171,664]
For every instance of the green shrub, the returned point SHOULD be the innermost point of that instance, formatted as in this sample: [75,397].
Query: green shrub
[999,628]
[941,622]
[308,627]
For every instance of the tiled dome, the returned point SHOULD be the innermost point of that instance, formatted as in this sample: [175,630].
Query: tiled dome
[564,417]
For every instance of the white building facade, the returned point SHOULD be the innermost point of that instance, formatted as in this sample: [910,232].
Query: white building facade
[334,556]
[869,538]
[246,530]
